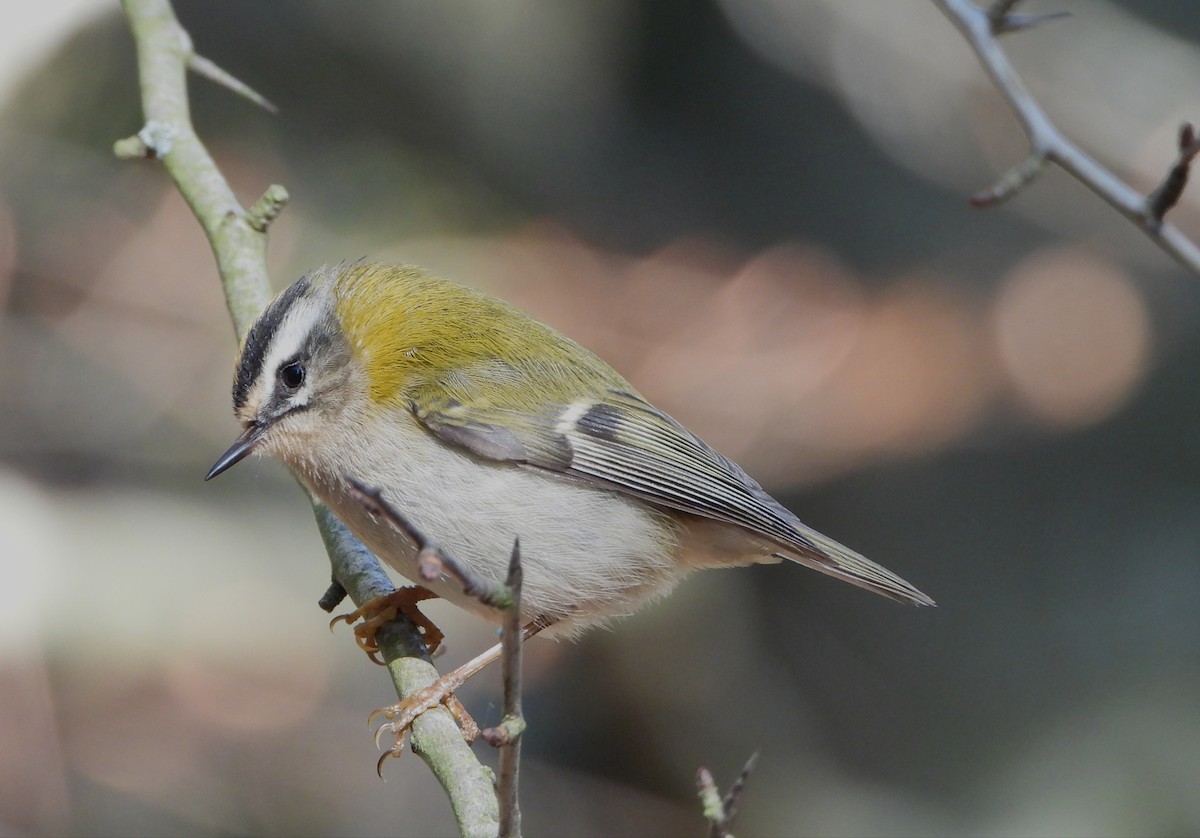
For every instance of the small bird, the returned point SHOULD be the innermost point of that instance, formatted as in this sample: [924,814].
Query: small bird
[483,425]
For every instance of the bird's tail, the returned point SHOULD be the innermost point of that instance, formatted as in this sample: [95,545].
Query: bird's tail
[828,556]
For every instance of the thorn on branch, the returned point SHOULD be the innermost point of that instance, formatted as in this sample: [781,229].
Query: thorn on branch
[998,12]
[1018,23]
[202,66]
[721,811]
[1001,20]
[1167,194]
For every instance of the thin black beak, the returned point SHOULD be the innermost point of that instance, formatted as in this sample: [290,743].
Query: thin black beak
[241,447]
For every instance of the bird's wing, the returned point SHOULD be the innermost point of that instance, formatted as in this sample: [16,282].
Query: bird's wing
[618,440]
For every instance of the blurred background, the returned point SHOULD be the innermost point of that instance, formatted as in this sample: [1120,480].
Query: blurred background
[757,211]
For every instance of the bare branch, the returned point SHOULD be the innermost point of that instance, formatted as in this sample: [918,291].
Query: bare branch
[238,240]
[164,51]
[980,28]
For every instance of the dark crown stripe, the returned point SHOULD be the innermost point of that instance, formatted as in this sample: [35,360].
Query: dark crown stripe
[258,339]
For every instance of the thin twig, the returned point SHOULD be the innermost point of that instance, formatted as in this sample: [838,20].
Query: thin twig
[1168,193]
[267,208]
[980,27]
[719,811]
[238,240]
[1011,182]
[507,735]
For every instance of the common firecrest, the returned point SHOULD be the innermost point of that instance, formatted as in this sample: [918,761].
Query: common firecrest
[483,425]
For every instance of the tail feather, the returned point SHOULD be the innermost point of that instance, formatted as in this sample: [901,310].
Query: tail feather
[839,561]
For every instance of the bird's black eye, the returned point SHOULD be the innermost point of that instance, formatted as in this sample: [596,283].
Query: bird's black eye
[291,375]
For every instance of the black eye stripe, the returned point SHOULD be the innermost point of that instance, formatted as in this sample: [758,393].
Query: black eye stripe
[254,351]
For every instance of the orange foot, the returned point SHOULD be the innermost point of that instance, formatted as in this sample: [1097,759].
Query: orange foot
[398,718]
[387,607]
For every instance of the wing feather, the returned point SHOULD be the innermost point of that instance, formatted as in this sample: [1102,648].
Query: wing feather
[616,439]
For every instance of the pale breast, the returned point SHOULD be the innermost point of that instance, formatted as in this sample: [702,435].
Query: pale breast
[588,554]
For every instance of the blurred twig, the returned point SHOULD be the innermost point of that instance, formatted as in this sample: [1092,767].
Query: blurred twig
[719,811]
[982,28]
[238,239]
[1171,189]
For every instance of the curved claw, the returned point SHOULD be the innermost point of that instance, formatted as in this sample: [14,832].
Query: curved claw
[388,713]
[379,733]
[367,644]
[343,618]
[395,752]
[400,717]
